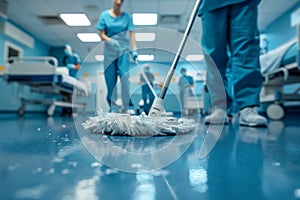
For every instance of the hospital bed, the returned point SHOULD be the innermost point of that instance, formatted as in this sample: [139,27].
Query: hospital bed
[43,75]
[280,69]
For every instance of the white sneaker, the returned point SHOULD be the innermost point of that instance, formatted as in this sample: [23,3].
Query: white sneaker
[130,112]
[218,116]
[250,117]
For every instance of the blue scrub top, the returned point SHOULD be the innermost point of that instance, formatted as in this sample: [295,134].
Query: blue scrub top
[185,81]
[73,59]
[116,27]
[210,5]
[149,76]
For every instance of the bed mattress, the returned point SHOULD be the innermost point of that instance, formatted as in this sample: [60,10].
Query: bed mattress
[281,56]
[65,81]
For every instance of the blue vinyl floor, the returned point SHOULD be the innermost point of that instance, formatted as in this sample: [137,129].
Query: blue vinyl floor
[44,158]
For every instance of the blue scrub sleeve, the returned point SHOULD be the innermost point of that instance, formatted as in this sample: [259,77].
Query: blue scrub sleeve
[131,26]
[101,23]
[77,58]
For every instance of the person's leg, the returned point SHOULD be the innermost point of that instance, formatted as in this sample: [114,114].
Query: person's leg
[230,100]
[67,97]
[244,44]
[69,110]
[144,92]
[123,68]
[144,96]
[247,78]
[214,43]
[151,96]
[110,75]
[181,98]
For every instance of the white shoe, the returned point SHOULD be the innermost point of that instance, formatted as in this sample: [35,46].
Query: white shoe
[130,112]
[218,116]
[250,117]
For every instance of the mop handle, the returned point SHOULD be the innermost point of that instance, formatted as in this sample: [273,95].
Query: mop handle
[171,71]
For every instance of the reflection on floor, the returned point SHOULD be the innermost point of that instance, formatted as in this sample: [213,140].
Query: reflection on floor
[44,158]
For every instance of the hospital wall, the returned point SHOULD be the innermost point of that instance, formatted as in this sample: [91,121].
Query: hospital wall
[10,100]
[281,31]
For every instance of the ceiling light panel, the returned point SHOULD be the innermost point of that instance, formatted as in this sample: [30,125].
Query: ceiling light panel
[99,58]
[144,18]
[195,57]
[75,19]
[145,37]
[89,37]
[146,57]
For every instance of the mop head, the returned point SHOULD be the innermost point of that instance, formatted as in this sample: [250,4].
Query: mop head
[142,125]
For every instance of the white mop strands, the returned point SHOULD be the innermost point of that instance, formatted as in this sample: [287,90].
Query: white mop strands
[142,125]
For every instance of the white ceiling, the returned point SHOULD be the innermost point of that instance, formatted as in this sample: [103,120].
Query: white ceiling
[28,13]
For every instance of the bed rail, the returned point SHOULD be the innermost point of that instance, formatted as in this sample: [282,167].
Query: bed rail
[31,65]
[46,59]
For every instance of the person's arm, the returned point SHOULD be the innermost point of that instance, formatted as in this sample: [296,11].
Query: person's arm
[191,81]
[78,61]
[73,66]
[77,66]
[133,45]
[114,43]
[132,40]
[102,26]
[141,79]
[103,36]
[180,82]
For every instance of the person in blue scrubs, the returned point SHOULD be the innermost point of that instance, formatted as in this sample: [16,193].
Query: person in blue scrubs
[147,95]
[117,30]
[72,61]
[185,83]
[230,37]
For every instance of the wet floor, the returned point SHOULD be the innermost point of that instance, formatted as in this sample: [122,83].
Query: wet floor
[46,158]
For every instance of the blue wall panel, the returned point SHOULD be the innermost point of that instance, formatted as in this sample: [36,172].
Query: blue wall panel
[280,31]
[9,95]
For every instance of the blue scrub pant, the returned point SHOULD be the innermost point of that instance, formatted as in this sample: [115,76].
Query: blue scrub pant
[147,96]
[117,65]
[231,33]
